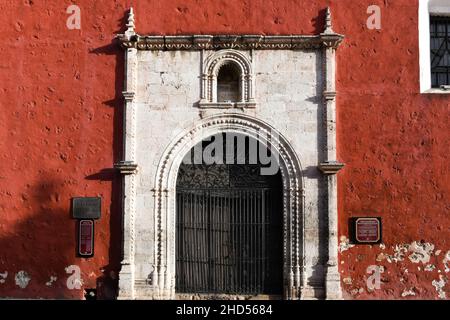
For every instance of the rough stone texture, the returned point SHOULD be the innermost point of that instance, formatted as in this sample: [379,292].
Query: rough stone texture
[61,132]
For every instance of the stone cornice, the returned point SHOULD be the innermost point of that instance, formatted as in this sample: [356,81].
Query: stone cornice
[330,168]
[331,40]
[239,42]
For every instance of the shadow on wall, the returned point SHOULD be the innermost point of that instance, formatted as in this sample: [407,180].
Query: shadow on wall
[40,244]
[318,22]
[107,284]
[37,249]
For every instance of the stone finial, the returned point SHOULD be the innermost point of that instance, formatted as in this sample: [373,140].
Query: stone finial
[130,25]
[328,22]
[329,38]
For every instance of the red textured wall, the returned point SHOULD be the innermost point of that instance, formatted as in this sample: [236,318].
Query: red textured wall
[60,96]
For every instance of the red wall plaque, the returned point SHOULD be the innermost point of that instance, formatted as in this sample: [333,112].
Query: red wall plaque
[86,238]
[368,230]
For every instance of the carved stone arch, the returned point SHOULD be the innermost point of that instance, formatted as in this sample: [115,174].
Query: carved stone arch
[163,276]
[214,61]
[211,67]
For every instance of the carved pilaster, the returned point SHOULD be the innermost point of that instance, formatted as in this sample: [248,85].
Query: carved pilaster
[128,168]
[330,167]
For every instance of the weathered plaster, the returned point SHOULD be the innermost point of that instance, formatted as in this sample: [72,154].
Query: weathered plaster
[22,279]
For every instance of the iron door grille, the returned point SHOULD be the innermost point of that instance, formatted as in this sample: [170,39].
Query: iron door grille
[228,241]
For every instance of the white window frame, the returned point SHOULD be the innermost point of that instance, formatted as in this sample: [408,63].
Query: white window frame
[428,8]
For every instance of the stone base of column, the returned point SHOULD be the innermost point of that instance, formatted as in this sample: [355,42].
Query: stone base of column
[312,293]
[126,283]
[333,288]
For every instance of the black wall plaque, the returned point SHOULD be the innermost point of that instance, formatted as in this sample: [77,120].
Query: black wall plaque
[86,207]
[85,238]
[366,230]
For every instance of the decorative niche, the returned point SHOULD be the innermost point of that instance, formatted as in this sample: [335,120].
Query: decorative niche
[227,81]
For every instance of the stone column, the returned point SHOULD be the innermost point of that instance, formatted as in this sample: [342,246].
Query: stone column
[128,168]
[330,167]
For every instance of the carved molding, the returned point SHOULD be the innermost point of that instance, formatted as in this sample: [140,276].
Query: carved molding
[211,67]
[126,167]
[329,95]
[330,168]
[238,42]
[227,105]
[128,96]
[165,208]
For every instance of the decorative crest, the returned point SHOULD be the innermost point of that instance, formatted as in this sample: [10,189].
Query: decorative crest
[328,22]
[130,25]
[330,39]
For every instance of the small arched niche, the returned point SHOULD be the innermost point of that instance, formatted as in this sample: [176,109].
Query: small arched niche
[229,83]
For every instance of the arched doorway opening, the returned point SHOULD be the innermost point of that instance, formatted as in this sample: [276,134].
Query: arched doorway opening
[229,219]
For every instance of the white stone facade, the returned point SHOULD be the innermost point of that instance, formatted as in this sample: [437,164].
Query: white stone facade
[288,94]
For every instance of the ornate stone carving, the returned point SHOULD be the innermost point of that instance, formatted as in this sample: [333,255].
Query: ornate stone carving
[126,167]
[128,96]
[330,167]
[164,192]
[211,67]
[237,42]
[129,33]
[329,38]
[160,283]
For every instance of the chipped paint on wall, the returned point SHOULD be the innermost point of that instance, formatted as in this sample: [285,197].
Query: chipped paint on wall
[400,252]
[357,291]
[22,279]
[420,252]
[446,262]
[3,277]
[50,282]
[430,268]
[409,292]
[347,280]
[345,244]
[439,285]
[381,257]
[409,267]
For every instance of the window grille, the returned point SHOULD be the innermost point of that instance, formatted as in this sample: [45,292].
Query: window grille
[440,51]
